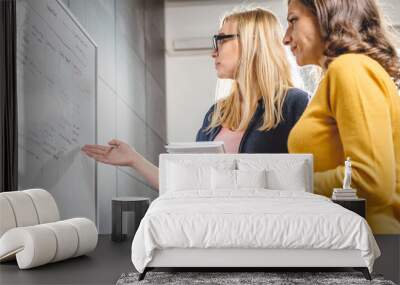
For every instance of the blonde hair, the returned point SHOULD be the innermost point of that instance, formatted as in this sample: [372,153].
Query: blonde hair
[263,72]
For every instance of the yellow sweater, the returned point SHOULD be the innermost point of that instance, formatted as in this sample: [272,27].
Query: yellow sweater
[355,112]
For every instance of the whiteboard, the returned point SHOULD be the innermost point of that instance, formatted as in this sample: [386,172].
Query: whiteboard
[56,95]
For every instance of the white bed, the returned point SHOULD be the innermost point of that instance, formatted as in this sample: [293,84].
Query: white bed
[201,220]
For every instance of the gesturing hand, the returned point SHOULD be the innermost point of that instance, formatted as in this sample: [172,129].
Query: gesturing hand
[117,153]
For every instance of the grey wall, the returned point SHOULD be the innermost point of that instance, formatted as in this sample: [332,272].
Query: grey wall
[131,101]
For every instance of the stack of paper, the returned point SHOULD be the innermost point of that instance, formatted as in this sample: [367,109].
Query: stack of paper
[196,147]
[344,194]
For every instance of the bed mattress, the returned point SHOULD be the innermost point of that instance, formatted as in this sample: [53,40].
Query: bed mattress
[250,219]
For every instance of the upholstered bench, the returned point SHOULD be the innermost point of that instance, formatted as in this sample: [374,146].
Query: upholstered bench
[31,231]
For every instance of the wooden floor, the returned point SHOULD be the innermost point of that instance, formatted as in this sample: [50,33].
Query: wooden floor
[102,266]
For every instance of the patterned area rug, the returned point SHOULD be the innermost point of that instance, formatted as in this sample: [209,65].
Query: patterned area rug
[229,278]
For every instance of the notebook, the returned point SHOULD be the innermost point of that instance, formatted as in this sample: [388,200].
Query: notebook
[196,147]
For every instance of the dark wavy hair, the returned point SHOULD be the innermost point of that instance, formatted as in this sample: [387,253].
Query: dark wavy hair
[355,26]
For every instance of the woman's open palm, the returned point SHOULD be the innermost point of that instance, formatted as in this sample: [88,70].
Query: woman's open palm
[117,153]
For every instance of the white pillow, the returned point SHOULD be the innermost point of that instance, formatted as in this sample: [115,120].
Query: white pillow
[251,178]
[281,174]
[183,174]
[223,179]
[237,179]
[291,180]
[183,177]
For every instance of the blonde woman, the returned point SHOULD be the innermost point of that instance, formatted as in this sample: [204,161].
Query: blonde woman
[356,110]
[262,107]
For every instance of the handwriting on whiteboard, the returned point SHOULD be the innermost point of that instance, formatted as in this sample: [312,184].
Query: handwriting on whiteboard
[53,92]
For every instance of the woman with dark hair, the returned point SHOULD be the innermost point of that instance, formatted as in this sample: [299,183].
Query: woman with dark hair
[355,111]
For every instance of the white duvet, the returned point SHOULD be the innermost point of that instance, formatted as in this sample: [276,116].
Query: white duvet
[250,218]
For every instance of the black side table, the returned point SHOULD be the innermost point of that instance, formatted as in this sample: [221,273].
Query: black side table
[355,205]
[138,205]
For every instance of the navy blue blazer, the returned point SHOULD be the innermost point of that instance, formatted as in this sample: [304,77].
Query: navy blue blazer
[272,141]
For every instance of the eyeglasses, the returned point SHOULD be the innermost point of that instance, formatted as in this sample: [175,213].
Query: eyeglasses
[217,39]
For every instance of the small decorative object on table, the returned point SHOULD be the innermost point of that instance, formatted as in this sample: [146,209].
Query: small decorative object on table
[345,193]
[137,205]
[347,196]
